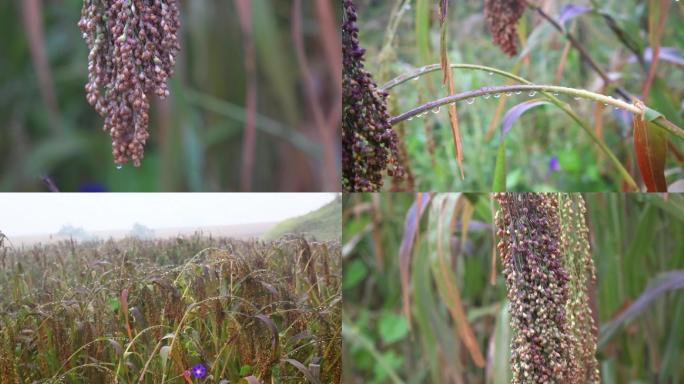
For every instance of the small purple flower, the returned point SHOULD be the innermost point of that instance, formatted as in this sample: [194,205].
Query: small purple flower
[199,371]
[554,165]
[92,187]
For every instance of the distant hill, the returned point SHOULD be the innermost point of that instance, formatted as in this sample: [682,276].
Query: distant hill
[323,224]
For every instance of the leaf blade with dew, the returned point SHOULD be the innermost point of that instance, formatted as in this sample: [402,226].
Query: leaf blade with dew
[411,225]
[650,145]
[659,285]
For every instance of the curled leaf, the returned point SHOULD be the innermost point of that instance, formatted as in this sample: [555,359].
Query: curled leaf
[650,145]
[514,113]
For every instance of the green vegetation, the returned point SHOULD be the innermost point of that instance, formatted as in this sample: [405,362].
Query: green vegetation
[147,311]
[323,224]
[425,295]
[557,82]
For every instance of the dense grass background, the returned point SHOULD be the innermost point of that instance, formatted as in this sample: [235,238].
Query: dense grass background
[636,239]
[545,134]
[48,128]
[144,311]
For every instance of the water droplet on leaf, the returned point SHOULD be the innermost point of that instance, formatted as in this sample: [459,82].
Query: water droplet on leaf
[532,93]
[497,95]
[119,167]
[436,110]
[470,101]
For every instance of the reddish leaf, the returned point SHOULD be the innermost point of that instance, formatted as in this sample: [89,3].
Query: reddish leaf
[449,80]
[650,145]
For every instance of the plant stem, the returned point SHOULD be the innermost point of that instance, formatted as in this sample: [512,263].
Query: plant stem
[565,107]
[517,88]
[580,48]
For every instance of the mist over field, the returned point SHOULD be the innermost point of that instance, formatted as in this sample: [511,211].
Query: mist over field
[52,217]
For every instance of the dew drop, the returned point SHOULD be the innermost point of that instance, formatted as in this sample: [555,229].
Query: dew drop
[532,93]
[119,167]
[470,101]
[497,95]
[555,93]
[518,92]
[436,110]
[410,118]
[415,78]
[491,73]
[486,95]
[509,93]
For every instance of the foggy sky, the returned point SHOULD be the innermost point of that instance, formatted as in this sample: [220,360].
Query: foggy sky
[45,213]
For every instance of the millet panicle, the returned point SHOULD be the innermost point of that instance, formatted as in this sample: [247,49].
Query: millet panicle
[133,46]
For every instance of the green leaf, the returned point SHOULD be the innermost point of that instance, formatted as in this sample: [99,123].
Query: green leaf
[499,184]
[392,327]
[390,359]
[113,303]
[245,370]
[500,368]
[651,114]
[164,353]
[354,273]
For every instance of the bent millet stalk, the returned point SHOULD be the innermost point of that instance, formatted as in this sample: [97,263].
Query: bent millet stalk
[547,265]
[133,46]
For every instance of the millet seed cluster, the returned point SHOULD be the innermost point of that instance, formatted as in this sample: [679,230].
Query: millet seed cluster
[133,46]
[502,17]
[528,229]
[369,145]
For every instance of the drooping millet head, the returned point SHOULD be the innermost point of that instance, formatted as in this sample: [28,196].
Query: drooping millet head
[369,145]
[582,330]
[133,46]
[529,243]
[502,17]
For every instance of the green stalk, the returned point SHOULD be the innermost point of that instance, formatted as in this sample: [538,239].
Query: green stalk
[543,90]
